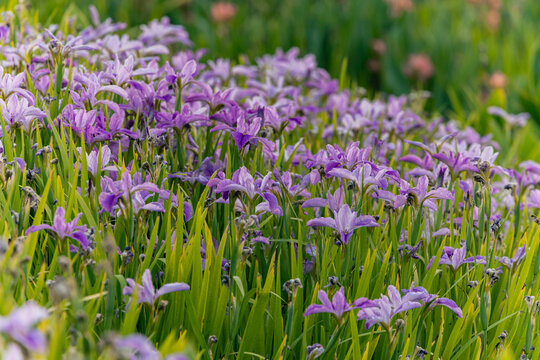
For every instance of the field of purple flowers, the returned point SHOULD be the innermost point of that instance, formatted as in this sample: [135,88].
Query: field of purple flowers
[155,206]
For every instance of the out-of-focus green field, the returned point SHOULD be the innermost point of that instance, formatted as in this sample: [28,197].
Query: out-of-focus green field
[468,54]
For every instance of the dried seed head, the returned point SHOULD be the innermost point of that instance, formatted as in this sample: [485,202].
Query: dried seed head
[81,317]
[212,339]
[55,46]
[496,225]
[314,351]
[411,199]
[127,255]
[162,305]
[529,300]
[19,242]
[400,324]
[333,281]
[15,217]
[510,187]
[59,290]
[292,285]
[64,263]
[3,246]
[479,179]
[420,352]
[246,252]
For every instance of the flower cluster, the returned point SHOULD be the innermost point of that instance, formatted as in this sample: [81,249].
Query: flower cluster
[126,156]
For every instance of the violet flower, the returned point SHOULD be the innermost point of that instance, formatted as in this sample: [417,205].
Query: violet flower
[19,326]
[124,192]
[431,300]
[366,176]
[242,181]
[518,120]
[420,196]
[384,309]
[93,159]
[345,222]
[64,229]
[337,307]
[11,85]
[455,257]
[518,256]
[17,112]
[146,293]
[333,202]
[381,311]
[135,347]
[456,162]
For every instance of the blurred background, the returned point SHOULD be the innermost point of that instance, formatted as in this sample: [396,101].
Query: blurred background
[468,54]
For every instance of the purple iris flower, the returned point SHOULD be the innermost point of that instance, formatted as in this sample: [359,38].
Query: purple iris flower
[15,84]
[518,256]
[345,222]
[421,196]
[184,76]
[286,182]
[202,174]
[208,96]
[367,175]
[426,163]
[17,112]
[384,309]
[135,347]
[179,120]
[242,181]
[456,162]
[455,257]
[126,192]
[146,293]
[518,120]
[396,201]
[534,199]
[163,32]
[70,45]
[93,158]
[64,229]
[19,326]
[333,202]
[246,130]
[352,156]
[338,306]
[432,300]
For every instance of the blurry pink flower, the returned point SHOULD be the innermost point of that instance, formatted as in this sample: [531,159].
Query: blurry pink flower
[493,19]
[419,66]
[374,65]
[222,11]
[378,46]
[494,4]
[398,7]
[498,80]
